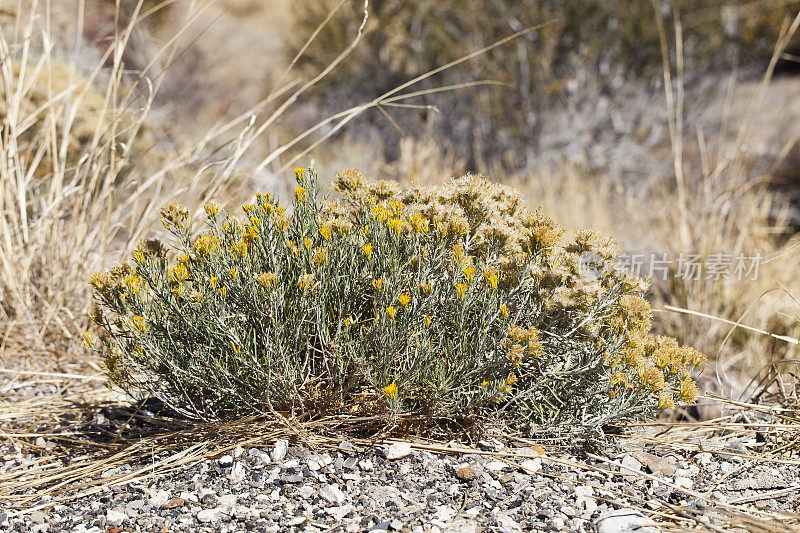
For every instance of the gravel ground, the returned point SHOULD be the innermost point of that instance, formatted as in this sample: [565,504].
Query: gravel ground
[397,488]
[704,478]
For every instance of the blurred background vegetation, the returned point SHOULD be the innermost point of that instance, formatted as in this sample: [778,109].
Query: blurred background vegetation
[592,48]
[672,125]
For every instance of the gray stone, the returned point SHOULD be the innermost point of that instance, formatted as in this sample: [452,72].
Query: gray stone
[531,465]
[507,524]
[280,449]
[159,499]
[398,450]
[209,515]
[624,521]
[238,472]
[332,494]
[115,517]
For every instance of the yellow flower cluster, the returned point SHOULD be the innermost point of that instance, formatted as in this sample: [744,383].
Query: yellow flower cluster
[212,209]
[521,343]
[206,244]
[390,391]
[179,273]
[266,279]
[175,216]
[461,289]
[139,322]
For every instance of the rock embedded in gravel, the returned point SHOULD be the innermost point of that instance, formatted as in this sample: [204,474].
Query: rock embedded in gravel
[115,517]
[206,516]
[398,450]
[238,473]
[175,503]
[332,494]
[159,499]
[624,521]
[280,449]
[531,466]
[468,472]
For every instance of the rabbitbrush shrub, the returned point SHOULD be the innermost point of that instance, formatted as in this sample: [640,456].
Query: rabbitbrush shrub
[453,301]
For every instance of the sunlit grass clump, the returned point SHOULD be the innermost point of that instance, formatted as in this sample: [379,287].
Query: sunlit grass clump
[446,302]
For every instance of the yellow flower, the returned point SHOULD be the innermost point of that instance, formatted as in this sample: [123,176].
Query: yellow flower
[485,383]
[469,272]
[241,248]
[300,194]
[86,339]
[688,392]
[367,250]
[293,248]
[139,323]
[132,283]
[211,209]
[206,244]
[178,273]
[377,283]
[380,213]
[320,256]
[298,173]
[266,279]
[305,281]
[458,253]
[492,280]
[138,257]
[347,322]
[391,311]
[233,271]
[308,243]
[391,391]
[175,214]
[461,289]
[665,401]
[418,223]
[404,299]
[249,209]
[504,311]
[652,377]
[214,280]
[251,231]
[395,224]
[223,291]
[427,319]
[235,347]
[325,230]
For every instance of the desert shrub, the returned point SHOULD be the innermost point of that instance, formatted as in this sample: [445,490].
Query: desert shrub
[603,46]
[453,301]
